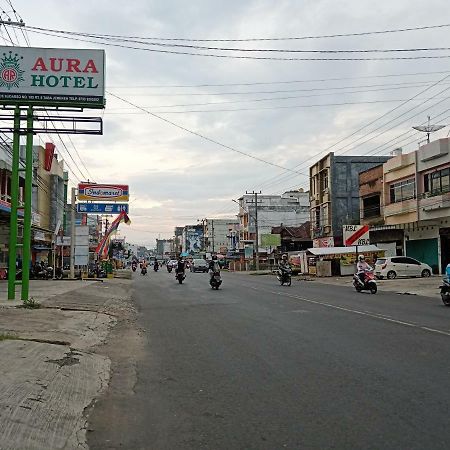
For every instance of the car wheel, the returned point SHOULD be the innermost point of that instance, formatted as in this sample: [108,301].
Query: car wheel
[391,275]
[426,273]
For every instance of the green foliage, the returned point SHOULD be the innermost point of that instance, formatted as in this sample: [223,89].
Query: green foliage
[31,304]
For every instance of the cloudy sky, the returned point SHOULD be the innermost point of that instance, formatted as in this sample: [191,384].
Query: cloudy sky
[285,112]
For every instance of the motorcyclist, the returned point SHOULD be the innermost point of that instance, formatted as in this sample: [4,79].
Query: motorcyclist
[361,267]
[284,266]
[181,265]
[213,266]
[156,265]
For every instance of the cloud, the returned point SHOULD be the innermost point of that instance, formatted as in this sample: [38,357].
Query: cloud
[175,177]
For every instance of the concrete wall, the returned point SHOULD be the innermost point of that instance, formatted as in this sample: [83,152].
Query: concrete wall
[344,187]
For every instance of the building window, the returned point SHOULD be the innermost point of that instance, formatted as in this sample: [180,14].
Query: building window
[371,206]
[403,190]
[438,182]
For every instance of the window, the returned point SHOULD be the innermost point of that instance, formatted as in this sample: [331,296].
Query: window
[371,206]
[412,261]
[403,190]
[437,182]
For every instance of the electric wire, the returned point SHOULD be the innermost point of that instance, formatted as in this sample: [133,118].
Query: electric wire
[214,55]
[202,136]
[364,33]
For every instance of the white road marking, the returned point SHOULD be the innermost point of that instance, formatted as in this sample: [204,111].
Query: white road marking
[355,311]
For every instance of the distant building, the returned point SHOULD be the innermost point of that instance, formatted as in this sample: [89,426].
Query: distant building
[334,195]
[163,246]
[290,209]
[217,232]
[192,239]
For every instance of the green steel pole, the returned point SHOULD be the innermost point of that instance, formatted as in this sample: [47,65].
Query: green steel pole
[27,209]
[13,228]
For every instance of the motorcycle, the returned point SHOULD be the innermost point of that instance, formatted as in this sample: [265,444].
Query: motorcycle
[133,267]
[285,277]
[445,292]
[215,280]
[180,276]
[155,267]
[369,283]
[41,272]
[169,268]
[144,271]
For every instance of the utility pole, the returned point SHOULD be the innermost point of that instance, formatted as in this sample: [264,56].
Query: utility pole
[72,235]
[212,230]
[256,227]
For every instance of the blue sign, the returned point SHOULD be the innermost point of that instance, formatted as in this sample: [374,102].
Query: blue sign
[102,208]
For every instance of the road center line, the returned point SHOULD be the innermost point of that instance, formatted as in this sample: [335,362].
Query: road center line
[355,311]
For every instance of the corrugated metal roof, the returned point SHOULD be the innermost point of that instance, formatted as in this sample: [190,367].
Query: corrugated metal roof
[321,251]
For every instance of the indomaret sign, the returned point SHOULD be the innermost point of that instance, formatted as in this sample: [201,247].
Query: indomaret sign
[52,76]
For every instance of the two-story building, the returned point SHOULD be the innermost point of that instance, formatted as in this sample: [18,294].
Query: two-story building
[414,207]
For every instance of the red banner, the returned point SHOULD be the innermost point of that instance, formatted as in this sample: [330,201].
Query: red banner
[49,153]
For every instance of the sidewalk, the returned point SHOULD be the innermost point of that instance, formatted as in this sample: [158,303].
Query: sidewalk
[52,369]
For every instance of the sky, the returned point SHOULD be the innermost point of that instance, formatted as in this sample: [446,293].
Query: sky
[288,113]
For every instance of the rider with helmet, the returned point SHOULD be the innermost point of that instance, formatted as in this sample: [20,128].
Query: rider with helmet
[284,266]
[361,267]
[213,266]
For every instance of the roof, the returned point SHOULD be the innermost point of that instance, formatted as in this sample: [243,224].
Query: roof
[321,251]
[300,232]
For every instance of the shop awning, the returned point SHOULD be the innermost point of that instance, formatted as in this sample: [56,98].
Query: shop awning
[323,251]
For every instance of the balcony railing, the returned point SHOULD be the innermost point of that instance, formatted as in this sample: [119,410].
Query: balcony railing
[435,192]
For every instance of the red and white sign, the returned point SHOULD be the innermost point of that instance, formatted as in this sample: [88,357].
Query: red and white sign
[356,235]
[323,242]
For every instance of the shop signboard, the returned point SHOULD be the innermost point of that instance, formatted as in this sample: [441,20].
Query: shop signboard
[52,77]
[270,240]
[102,208]
[248,252]
[356,235]
[103,192]
[323,242]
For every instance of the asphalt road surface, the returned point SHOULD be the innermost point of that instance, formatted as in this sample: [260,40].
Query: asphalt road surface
[259,366]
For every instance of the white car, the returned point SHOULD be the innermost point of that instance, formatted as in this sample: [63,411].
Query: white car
[401,266]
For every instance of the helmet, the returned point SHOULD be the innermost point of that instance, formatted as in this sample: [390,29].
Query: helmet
[361,257]
[284,256]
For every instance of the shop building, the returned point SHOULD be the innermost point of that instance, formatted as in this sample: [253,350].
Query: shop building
[334,195]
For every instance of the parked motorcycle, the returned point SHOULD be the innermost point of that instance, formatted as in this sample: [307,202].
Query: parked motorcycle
[445,292]
[41,272]
[215,280]
[180,276]
[284,276]
[369,283]
[144,270]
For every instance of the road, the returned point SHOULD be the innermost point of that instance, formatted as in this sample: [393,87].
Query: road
[260,366]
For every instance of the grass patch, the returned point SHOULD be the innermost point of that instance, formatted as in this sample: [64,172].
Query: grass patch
[31,303]
[6,337]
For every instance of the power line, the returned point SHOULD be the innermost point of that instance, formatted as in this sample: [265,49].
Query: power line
[201,135]
[383,86]
[213,55]
[256,83]
[364,33]
[234,49]
[377,119]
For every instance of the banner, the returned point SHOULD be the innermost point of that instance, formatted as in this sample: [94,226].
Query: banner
[102,208]
[52,77]
[108,192]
